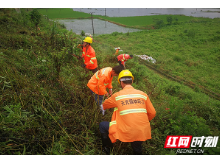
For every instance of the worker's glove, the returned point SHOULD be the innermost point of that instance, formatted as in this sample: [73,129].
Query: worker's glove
[102,110]
[107,94]
[110,92]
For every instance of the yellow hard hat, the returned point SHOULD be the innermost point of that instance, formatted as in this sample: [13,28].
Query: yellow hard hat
[125,73]
[88,39]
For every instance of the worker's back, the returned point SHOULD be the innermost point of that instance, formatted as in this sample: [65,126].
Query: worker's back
[101,80]
[130,120]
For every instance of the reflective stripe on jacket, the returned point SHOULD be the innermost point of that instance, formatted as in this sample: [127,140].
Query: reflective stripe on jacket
[131,116]
[89,58]
[116,52]
[101,80]
[123,58]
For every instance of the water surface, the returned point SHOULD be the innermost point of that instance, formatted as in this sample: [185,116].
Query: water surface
[126,12]
[100,26]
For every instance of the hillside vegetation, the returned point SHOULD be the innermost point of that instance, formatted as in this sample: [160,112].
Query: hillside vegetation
[46,107]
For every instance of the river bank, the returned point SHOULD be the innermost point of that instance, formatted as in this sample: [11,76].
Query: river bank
[128,12]
[136,22]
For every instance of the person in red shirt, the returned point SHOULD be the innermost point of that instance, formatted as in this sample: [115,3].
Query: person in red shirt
[90,61]
[122,58]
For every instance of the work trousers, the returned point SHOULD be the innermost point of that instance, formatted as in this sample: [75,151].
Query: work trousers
[93,70]
[98,98]
[136,145]
[121,63]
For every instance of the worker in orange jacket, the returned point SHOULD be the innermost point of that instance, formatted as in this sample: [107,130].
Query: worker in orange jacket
[101,80]
[117,50]
[90,61]
[122,58]
[131,117]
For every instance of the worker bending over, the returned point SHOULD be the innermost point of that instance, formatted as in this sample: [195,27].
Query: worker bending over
[90,61]
[122,58]
[131,118]
[101,80]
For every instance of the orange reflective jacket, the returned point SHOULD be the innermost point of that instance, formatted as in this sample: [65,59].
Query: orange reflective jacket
[123,58]
[116,52]
[101,80]
[130,119]
[89,58]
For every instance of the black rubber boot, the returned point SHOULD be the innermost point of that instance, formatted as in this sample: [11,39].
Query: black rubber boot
[137,147]
[106,143]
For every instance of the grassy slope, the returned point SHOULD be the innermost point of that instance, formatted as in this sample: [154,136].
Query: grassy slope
[33,118]
[163,93]
[43,114]
[194,58]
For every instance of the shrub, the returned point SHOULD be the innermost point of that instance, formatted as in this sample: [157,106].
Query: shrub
[35,17]
[159,23]
[59,59]
[115,33]
[169,20]
[82,33]
[190,33]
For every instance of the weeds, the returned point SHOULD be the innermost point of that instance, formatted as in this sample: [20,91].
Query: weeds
[29,102]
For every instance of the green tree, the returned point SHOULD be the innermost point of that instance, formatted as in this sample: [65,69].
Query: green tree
[35,17]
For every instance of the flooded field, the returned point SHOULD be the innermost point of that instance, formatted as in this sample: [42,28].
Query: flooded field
[104,27]
[100,26]
[124,12]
